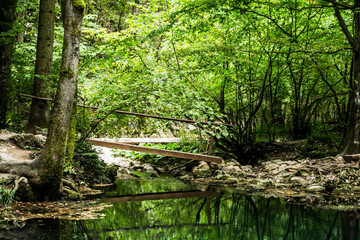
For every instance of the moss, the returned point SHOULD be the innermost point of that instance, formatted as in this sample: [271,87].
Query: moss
[70,144]
[67,73]
[75,29]
[80,4]
[70,194]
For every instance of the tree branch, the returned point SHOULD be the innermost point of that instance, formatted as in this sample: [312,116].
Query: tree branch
[339,3]
[343,25]
[275,22]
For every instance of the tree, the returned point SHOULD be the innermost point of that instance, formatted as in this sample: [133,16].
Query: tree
[45,172]
[43,66]
[7,17]
[352,145]
[53,155]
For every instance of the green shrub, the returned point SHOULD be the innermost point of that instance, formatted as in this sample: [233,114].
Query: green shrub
[86,165]
[86,158]
[6,196]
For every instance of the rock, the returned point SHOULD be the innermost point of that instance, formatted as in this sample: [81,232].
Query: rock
[187,177]
[215,166]
[179,172]
[315,188]
[6,177]
[202,170]
[70,194]
[234,170]
[267,183]
[298,181]
[122,173]
[233,163]
[5,135]
[247,168]
[149,169]
[29,140]
[222,176]
[5,157]
[231,180]
[259,187]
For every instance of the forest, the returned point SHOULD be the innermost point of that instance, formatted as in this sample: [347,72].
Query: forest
[255,77]
[269,87]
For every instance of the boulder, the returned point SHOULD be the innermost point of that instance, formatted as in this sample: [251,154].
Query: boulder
[202,170]
[29,140]
[122,173]
[298,181]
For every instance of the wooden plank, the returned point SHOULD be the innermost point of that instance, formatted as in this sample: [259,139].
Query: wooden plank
[168,153]
[137,141]
[161,196]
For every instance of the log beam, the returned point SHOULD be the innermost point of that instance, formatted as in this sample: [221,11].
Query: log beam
[169,153]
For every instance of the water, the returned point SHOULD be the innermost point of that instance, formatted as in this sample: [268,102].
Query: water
[180,211]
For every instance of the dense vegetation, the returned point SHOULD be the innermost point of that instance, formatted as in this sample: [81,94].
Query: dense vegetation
[274,70]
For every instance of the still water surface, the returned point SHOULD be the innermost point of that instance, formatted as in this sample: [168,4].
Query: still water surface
[169,209]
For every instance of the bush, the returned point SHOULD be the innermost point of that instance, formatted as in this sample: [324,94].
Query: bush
[87,162]
[6,196]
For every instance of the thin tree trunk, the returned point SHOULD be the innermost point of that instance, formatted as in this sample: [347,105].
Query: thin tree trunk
[39,113]
[7,17]
[352,144]
[53,155]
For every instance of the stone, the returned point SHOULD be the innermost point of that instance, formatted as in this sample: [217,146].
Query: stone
[187,177]
[6,158]
[202,170]
[123,173]
[29,140]
[149,169]
[231,180]
[298,181]
[215,166]
[315,188]
[231,169]
[223,176]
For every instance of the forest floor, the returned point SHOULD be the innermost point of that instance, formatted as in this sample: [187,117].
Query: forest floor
[327,182]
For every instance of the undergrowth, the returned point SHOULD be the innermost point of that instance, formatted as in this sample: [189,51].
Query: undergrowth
[87,165]
[6,196]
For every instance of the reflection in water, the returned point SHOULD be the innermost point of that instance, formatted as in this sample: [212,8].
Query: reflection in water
[168,209]
[350,225]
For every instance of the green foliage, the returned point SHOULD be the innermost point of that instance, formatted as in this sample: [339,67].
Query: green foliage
[86,158]
[79,4]
[325,141]
[6,196]
[272,69]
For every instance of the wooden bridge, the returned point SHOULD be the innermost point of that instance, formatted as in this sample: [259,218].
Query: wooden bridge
[129,146]
[185,155]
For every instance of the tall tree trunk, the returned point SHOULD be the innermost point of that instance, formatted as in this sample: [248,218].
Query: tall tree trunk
[352,144]
[7,17]
[39,113]
[53,155]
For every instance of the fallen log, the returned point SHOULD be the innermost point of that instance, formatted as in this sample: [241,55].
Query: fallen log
[169,153]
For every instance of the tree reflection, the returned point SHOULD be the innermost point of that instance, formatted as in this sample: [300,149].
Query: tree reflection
[350,225]
[166,211]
